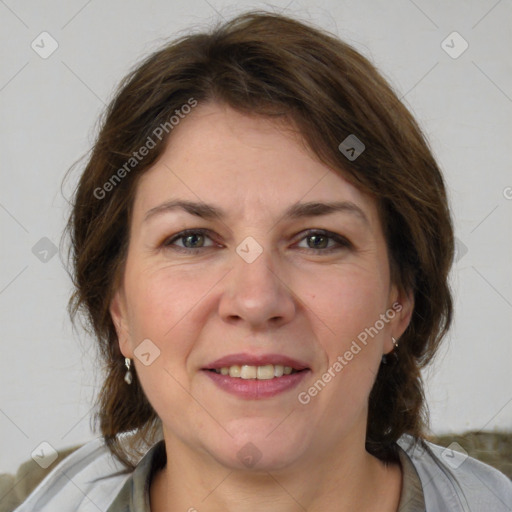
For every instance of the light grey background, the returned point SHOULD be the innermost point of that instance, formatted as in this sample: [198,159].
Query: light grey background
[49,109]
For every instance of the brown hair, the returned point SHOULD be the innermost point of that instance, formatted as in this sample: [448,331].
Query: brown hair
[267,64]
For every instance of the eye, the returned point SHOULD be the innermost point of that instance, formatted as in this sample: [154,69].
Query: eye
[193,240]
[320,240]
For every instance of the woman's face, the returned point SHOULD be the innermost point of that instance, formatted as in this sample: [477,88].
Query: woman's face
[249,283]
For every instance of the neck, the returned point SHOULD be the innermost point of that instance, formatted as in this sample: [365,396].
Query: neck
[348,476]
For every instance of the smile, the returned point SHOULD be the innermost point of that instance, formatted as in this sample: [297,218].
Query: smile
[249,386]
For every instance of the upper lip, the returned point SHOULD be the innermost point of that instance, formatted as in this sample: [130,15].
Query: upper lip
[256,360]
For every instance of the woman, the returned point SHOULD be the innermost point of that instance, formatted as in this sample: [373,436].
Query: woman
[261,242]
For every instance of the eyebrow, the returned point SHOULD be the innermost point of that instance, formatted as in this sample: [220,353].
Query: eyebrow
[295,211]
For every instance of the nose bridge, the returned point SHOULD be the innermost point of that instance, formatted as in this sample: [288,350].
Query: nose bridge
[255,292]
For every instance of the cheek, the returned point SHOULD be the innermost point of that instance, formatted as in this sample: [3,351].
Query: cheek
[161,305]
[351,309]
[161,299]
[343,305]
[345,301]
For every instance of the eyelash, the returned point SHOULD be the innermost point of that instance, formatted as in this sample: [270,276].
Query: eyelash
[342,241]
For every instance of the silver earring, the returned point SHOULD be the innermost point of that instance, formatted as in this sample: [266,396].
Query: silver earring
[128,377]
[385,358]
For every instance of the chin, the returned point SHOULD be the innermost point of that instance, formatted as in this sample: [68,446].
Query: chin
[251,458]
[261,447]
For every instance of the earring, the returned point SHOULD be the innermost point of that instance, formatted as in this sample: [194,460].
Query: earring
[128,377]
[392,353]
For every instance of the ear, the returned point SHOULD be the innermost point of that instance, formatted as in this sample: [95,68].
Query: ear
[119,313]
[402,303]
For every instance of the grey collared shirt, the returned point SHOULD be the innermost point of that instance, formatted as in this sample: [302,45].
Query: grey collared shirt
[92,479]
[134,495]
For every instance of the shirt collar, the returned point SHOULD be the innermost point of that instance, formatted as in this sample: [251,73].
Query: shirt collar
[134,495]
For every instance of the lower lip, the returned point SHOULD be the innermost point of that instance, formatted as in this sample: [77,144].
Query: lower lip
[254,388]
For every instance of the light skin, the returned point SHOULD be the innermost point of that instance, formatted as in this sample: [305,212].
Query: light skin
[296,298]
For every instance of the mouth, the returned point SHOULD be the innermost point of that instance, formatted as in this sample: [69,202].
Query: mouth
[255,377]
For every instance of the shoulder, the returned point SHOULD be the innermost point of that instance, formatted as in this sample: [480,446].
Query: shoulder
[454,481]
[88,479]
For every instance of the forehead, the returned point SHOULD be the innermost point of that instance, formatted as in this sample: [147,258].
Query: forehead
[252,166]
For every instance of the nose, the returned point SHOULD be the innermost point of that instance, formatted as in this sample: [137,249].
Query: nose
[258,294]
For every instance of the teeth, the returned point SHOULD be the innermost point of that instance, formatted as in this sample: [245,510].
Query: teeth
[234,371]
[248,372]
[278,370]
[266,372]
